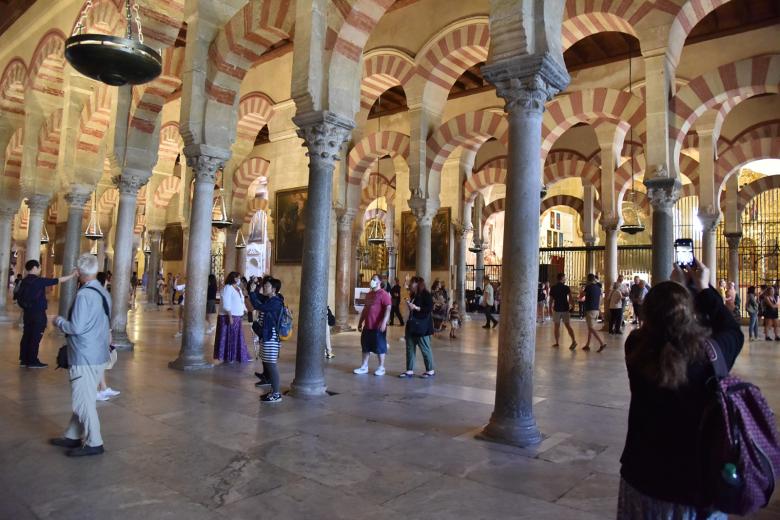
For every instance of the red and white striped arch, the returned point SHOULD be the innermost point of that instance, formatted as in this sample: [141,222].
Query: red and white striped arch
[51,213]
[171,145]
[751,190]
[468,130]
[586,171]
[565,154]
[350,23]
[443,59]
[95,118]
[161,20]
[13,155]
[761,130]
[250,169]
[253,206]
[377,186]
[255,110]
[24,217]
[491,209]
[150,98]
[691,13]
[741,153]
[487,176]
[102,18]
[590,106]
[165,191]
[689,168]
[631,12]
[744,78]
[575,203]
[108,200]
[47,65]
[384,69]
[12,83]
[49,142]
[499,161]
[373,213]
[254,29]
[581,26]
[372,147]
[623,172]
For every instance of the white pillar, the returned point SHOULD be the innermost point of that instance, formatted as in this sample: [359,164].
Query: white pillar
[344,259]
[37,205]
[6,226]
[77,200]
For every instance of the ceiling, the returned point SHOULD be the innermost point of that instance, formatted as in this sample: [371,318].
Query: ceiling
[12,10]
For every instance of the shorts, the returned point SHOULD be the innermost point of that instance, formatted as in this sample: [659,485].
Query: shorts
[373,341]
[561,316]
[591,317]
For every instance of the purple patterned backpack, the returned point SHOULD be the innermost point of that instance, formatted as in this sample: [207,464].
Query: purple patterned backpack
[739,443]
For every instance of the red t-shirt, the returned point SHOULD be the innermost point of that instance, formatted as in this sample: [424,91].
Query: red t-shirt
[376,304]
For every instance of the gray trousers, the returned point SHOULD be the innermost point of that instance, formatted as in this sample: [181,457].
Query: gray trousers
[84,423]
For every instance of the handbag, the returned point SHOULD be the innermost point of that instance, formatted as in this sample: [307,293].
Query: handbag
[419,327]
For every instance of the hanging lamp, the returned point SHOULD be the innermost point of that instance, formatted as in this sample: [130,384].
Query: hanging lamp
[44,235]
[94,249]
[113,60]
[147,244]
[93,231]
[240,242]
[219,214]
[632,222]
[376,234]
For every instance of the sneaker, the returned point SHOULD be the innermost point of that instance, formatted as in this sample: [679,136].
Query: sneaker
[22,364]
[64,442]
[360,370]
[177,335]
[85,451]
[586,348]
[380,371]
[330,355]
[573,345]
[37,364]
[110,392]
[101,396]
[271,397]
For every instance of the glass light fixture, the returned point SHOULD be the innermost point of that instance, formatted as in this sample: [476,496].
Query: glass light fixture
[240,241]
[219,214]
[376,233]
[632,223]
[44,235]
[93,231]
[113,60]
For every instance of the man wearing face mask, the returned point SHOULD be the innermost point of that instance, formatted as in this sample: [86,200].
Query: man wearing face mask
[373,326]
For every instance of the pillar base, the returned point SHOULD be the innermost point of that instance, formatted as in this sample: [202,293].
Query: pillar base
[121,341]
[522,433]
[308,391]
[189,365]
[342,327]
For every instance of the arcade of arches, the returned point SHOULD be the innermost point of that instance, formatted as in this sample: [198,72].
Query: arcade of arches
[433,124]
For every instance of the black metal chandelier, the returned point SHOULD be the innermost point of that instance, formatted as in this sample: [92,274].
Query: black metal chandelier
[113,60]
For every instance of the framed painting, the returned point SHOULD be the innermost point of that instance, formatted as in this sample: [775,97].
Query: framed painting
[290,221]
[440,241]
[173,243]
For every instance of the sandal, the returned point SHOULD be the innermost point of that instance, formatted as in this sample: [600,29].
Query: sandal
[602,347]
[427,375]
[406,375]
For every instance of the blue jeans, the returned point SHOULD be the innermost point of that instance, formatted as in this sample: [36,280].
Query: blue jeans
[753,326]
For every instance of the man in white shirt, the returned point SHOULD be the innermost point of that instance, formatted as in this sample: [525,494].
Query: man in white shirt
[487,302]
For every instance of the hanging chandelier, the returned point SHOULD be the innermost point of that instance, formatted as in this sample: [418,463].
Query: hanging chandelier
[375,234]
[240,242]
[113,60]
[147,244]
[219,214]
[44,235]
[93,231]
[632,223]
[94,249]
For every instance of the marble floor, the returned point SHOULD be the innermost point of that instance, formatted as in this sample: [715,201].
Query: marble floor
[201,445]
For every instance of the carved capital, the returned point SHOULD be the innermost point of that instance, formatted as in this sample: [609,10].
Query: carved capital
[709,219]
[423,209]
[205,167]
[663,192]
[128,184]
[78,197]
[344,219]
[323,133]
[733,239]
[37,203]
[527,83]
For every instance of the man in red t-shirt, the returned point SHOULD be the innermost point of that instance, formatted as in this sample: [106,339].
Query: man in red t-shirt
[373,326]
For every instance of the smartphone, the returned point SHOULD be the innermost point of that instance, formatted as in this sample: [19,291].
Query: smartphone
[683,252]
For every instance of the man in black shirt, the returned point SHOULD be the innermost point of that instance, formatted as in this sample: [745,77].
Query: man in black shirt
[395,297]
[560,305]
[31,297]
[592,300]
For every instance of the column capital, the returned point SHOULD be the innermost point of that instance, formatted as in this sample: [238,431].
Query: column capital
[423,208]
[527,83]
[37,203]
[78,196]
[709,219]
[323,133]
[205,166]
[345,217]
[129,183]
[663,192]
[733,239]
[609,221]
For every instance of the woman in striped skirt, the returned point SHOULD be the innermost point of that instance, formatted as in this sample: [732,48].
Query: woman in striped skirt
[269,311]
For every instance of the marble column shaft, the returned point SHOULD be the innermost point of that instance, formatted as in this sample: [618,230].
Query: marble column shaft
[230,255]
[192,353]
[610,254]
[37,205]
[525,84]
[344,258]
[663,192]
[733,240]
[590,257]
[460,279]
[154,266]
[240,265]
[6,226]
[128,185]
[323,134]
[709,252]
[77,200]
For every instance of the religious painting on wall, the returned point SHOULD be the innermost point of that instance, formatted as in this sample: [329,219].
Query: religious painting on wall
[440,241]
[60,229]
[173,243]
[290,222]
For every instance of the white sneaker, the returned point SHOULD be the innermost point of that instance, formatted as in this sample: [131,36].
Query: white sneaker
[110,392]
[380,371]
[101,396]
[177,335]
[361,370]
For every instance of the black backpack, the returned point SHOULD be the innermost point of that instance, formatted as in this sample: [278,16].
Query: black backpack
[24,297]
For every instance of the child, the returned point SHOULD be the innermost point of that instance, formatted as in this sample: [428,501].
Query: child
[454,318]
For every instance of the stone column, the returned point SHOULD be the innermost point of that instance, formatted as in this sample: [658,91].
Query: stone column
[344,258]
[663,192]
[6,227]
[610,253]
[241,260]
[323,134]
[525,83]
[460,279]
[77,200]
[590,255]
[423,209]
[155,237]
[37,205]
[709,252]
[192,355]
[230,254]
[479,262]
[128,185]
[733,240]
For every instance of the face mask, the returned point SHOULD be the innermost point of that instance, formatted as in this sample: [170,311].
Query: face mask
[373,284]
